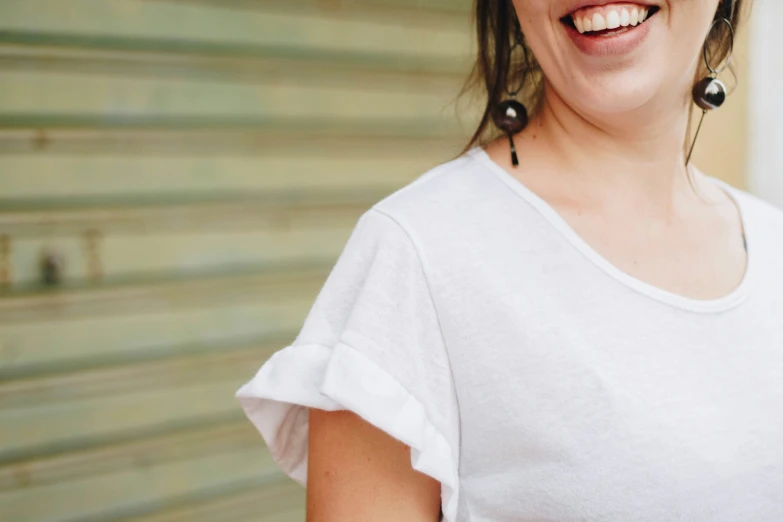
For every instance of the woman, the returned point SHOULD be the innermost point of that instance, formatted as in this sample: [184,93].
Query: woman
[593,334]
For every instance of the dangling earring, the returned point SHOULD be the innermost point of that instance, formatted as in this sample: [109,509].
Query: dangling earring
[710,93]
[511,116]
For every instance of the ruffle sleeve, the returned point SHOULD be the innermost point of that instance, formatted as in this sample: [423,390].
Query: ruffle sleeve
[371,344]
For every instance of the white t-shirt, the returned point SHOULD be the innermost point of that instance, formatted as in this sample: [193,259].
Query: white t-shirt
[531,377]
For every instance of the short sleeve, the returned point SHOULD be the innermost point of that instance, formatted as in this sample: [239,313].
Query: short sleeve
[371,344]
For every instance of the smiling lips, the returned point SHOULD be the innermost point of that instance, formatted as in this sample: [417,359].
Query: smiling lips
[608,17]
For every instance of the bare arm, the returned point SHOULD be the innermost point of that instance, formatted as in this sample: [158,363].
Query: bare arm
[357,472]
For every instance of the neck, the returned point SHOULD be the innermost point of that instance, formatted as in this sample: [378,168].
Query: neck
[638,156]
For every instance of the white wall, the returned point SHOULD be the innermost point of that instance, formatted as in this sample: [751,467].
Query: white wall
[765,103]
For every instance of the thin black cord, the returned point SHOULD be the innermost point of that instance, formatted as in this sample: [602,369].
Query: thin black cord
[693,145]
[514,158]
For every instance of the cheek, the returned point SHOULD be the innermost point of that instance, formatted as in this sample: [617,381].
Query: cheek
[689,22]
[540,28]
[689,26]
[527,8]
[535,17]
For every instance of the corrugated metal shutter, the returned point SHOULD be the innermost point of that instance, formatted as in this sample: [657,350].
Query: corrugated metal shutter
[187,171]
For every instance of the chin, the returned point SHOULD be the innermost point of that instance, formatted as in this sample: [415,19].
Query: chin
[616,96]
[636,88]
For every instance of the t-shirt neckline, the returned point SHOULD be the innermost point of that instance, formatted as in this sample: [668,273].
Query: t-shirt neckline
[726,302]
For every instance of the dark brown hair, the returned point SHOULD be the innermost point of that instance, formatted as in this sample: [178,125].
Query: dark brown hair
[500,66]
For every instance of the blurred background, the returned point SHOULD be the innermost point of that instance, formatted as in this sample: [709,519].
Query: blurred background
[176,180]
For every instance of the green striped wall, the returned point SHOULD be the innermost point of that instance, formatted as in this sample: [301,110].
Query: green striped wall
[197,165]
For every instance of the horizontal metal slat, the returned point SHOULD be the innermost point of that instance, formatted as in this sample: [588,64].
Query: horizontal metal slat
[26,99]
[97,255]
[141,489]
[230,285]
[113,241]
[205,60]
[413,7]
[77,135]
[208,438]
[76,178]
[155,212]
[278,503]
[26,430]
[103,381]
[210,23]
[103,340]
[257,133]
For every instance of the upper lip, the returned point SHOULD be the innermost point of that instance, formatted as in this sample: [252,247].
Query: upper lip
[579,4]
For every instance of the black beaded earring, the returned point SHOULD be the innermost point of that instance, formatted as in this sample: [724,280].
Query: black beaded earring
[709,93]
[510,116]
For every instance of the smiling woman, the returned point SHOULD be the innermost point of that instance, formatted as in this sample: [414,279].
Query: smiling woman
[567,322]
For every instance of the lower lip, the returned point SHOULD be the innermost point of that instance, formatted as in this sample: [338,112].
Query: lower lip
[613,45]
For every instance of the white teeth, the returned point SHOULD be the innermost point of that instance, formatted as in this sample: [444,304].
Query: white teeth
[579,25]
[599,24]
[635,16]
[625,18]
[612,20]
